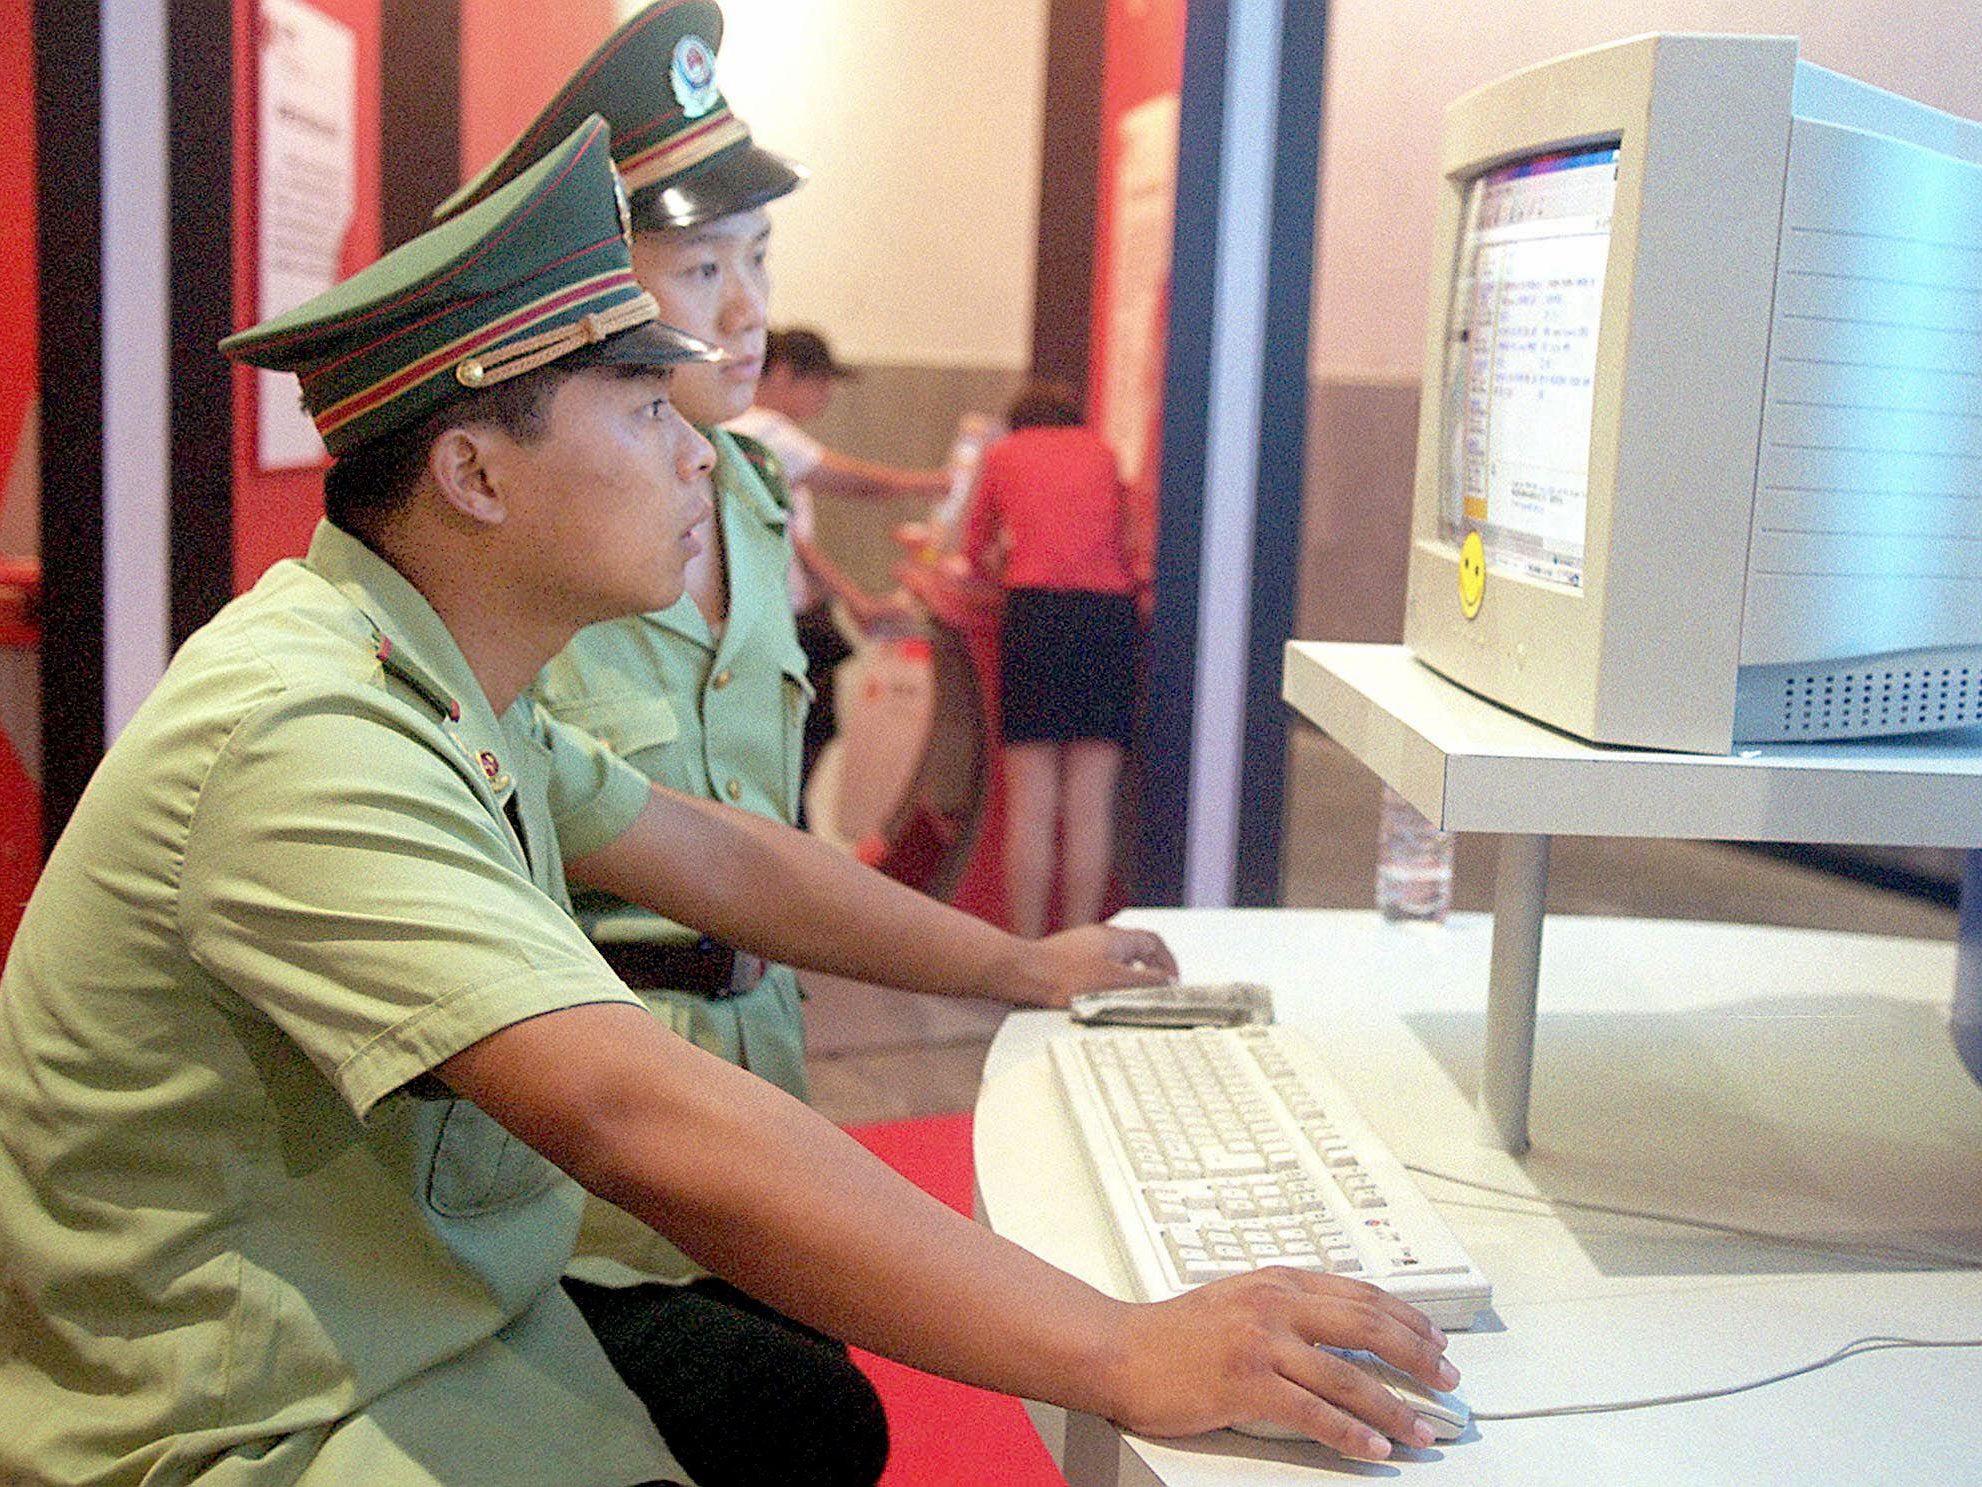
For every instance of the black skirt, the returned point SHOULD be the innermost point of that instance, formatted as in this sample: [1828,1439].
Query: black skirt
[1067,668]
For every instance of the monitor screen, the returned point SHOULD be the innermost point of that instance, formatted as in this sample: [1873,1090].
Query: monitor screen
[1521,358]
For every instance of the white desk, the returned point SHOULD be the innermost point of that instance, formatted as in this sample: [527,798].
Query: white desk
[1782,1079]
[1469,765]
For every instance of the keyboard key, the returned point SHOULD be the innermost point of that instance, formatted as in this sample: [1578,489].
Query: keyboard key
[1225,1162]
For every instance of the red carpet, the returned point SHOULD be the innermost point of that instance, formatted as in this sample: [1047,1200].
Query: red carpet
[20,845]
[944,1434]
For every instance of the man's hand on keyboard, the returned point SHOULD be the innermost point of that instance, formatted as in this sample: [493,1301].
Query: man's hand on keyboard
[1245,1349]
[1095,957]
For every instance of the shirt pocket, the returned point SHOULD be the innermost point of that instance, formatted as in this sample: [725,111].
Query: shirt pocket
[626,725]
[479,1167]
[797,688]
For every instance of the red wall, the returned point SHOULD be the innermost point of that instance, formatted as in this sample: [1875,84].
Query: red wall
[275,512]
[514,55]
[1145,60]
[17,223]
[20,801]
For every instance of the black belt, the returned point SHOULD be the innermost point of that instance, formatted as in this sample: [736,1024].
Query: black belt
[706,967]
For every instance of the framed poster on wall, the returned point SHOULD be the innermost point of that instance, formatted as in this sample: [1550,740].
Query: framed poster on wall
[306,182]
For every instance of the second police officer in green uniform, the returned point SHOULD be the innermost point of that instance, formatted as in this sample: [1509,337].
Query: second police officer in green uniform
[709,696]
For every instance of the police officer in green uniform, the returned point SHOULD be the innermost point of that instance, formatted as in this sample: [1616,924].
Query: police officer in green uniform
[297,1032]
[247,1231]
[708,697]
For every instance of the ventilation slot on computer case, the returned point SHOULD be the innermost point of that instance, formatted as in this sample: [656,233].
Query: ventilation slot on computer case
[1877,700]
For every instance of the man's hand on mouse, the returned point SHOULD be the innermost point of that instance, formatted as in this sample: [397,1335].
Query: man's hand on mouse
[1245,1349]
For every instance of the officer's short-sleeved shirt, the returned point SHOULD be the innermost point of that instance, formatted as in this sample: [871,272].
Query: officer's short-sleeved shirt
[721,717]
[246,1236]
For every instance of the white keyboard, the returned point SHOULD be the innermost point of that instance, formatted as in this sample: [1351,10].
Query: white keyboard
[1220,1150]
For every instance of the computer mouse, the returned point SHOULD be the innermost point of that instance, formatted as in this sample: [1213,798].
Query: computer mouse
[1446,1413]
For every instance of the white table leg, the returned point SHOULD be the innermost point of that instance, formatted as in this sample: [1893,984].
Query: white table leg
[1520,889]
[1965,1016]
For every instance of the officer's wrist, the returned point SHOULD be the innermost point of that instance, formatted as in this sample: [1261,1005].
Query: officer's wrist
[1021,975]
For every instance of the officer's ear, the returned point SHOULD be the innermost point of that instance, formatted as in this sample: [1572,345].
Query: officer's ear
[459,463]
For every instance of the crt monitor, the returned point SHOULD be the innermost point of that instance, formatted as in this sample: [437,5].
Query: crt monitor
[1700,447]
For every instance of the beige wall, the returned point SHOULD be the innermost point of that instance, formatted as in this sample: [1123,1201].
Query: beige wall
[1392,69]
[914,242]
[912,246]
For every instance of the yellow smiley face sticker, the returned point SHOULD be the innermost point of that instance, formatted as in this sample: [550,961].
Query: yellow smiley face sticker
[1472,574]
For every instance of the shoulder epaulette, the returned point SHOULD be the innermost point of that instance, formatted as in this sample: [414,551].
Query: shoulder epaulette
[396,666]
[766,464]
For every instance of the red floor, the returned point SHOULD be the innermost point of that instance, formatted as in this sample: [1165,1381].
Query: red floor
[944,1434]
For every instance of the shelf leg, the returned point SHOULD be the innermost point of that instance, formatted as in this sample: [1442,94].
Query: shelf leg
[1965,1016]
[1520,889]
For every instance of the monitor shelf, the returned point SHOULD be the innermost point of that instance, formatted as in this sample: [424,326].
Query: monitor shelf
[1470,765]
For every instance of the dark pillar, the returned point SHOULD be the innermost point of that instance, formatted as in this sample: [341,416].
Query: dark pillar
[1175,862]
[201,162]
[1164,748]
[420,101]
[1283,418]
[69,175]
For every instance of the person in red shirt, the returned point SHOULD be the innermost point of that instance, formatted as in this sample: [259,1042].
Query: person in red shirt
[1052,520]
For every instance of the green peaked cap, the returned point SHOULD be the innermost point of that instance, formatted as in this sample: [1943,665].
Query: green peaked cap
[536,271]
[684,156]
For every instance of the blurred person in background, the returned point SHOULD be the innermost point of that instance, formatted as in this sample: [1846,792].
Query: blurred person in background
[800,374]
[1052,521]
